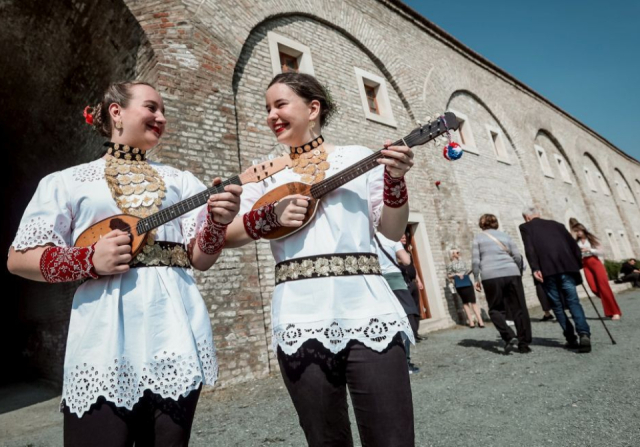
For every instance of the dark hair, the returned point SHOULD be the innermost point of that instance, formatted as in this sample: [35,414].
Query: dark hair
[488,222]
[118,93]
[308,88]
[590,237]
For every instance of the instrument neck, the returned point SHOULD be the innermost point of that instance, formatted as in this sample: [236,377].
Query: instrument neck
[178,209]
[329,184]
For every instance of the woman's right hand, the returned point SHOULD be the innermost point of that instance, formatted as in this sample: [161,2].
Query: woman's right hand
[112,253]
[461,275]
[292,210]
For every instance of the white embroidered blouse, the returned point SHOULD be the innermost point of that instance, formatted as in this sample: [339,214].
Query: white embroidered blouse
[335,309]
[147,329]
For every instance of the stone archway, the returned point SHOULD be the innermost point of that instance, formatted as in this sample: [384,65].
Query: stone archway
[57,57]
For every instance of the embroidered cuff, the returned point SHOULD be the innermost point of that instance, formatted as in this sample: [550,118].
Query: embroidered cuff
[66,264]
[261,221]
[211,237]
[395,191]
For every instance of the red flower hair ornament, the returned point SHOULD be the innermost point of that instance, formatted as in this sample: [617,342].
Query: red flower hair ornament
[88,114]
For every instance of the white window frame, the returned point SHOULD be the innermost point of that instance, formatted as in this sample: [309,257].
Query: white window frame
[280,44]
[562,167]
[601,183]
[382,98]
[498,145]
[541,154]
[587,175]
[465,131]
[627,245]
[615,248]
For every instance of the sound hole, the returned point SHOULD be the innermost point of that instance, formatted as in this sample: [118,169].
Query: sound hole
[118,224]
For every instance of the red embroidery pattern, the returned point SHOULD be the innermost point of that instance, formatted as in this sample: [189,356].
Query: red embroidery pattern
[395,191]
[66,264]
[260,222]
[212,236]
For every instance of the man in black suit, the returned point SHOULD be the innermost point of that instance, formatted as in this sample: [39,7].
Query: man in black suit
[556,261]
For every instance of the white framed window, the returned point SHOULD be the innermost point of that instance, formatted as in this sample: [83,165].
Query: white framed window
[464,134]
[590,182]
[628,251]
[288,55]
[544,161]
[375,98]
[602,184]
[497,141]
[614,245]
[562,167]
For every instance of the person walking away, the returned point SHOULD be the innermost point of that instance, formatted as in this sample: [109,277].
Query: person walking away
[556,260]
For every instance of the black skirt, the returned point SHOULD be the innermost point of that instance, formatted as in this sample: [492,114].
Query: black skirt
[467,295]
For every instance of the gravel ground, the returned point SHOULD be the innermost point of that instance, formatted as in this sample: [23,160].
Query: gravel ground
[467,394]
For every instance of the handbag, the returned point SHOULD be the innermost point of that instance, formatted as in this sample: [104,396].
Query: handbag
[465,281]
[520,265]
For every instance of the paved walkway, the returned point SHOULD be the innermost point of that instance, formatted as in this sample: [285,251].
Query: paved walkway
[467,394]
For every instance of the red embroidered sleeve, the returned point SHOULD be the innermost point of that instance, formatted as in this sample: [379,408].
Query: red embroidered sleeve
[211,237]
[261,221]
[395,191]
[66,264]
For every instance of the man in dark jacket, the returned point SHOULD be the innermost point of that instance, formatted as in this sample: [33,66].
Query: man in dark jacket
[556,260]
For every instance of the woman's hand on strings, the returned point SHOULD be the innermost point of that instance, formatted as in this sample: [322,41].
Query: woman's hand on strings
[112,253]
[224,207]
[398,159]
[292,210]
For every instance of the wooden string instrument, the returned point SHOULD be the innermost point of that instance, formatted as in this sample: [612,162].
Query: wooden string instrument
[418,136]
[139,227]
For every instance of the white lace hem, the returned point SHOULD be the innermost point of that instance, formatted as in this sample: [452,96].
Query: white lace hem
[374,332]
[167,375]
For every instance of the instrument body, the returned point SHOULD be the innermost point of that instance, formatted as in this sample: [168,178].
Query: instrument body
[139,227]
[418,136]
[279,193]
[124,222]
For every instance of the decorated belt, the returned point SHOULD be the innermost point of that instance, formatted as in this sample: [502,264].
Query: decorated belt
[339,264]
[162,254]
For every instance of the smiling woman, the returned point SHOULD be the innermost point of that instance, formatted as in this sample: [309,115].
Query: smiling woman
[140,345]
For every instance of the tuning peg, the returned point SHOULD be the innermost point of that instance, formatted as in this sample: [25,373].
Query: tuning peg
[255,161]
[271,156]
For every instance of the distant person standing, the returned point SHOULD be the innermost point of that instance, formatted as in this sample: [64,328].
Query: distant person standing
[556,260]
[458,273]
[594,271]
[497,262]
[388,254]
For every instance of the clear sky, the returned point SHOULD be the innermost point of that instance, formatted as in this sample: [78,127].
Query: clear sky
[582,55]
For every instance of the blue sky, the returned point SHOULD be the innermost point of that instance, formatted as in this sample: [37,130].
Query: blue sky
[582,55]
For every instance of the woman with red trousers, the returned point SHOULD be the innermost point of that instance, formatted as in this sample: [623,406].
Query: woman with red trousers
[594,271]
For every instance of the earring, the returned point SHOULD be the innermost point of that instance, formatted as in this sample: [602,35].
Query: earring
[119,125]
[312,124]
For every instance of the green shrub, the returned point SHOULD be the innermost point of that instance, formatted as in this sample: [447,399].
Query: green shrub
[613,268]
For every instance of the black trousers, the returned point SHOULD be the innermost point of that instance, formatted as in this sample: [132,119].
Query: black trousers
[507,295]
[378,382]
[633,277]
[153,421]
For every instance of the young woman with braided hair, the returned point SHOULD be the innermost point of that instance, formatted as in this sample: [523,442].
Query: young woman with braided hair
[140,345]
[336,323]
